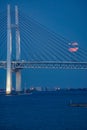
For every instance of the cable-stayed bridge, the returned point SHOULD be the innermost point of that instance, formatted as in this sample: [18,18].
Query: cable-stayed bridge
[25,43]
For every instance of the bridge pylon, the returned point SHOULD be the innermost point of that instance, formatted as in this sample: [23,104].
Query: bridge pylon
[9,51]
[18,72]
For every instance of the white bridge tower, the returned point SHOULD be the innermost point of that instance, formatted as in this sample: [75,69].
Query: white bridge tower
[9,51]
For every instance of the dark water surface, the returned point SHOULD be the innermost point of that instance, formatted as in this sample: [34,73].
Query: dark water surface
[43,111]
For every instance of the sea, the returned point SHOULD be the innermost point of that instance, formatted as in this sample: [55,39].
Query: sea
[43,111]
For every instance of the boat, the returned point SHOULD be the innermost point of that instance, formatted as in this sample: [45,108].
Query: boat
[78,104]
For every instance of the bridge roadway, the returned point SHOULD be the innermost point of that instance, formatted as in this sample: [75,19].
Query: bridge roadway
[44,64]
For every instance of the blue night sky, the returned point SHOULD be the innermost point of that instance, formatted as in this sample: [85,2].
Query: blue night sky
[65,17]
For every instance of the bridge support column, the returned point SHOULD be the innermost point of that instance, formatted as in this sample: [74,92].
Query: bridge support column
[18,80]
[9,51]
[18,72]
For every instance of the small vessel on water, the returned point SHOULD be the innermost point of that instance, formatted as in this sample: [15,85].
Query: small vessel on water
[77,104]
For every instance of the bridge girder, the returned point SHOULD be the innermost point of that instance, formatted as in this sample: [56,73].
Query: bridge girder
[16,65]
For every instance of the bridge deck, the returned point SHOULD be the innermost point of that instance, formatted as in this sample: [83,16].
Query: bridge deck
[44,64]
